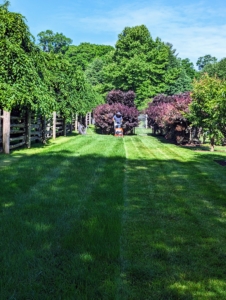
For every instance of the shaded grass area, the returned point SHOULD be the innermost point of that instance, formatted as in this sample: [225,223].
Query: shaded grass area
[96,217]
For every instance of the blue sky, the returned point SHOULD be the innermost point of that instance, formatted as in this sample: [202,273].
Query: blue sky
[195,28]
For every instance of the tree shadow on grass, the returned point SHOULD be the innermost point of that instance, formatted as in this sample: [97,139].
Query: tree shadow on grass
[62,234]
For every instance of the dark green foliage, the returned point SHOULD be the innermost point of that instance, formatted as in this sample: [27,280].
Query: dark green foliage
[221,68]
[140,64]
[69,86]
[216,69]
[55,42]
[182,84]
[188,66]
[42,81]
[184,71]
[205,60]
[93,72]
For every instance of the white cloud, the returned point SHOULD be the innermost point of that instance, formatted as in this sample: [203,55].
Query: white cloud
[194,30]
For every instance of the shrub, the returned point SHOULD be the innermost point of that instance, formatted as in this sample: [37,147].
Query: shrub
[103,115]
[165,110]
[118,96]
[167,115]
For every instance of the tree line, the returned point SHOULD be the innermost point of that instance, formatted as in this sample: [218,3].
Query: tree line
[39,77]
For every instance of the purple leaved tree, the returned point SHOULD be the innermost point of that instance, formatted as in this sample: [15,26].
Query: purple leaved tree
[167,115]
[104,113]
[118,96]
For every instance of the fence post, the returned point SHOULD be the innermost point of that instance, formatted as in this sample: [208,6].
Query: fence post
[6,132]
[54,125]
[86,120]
[70,128]
[64,127]
[76,122]
[28,129]
[43,129]
[1,118]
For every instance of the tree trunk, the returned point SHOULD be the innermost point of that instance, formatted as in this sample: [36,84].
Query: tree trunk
[212,144]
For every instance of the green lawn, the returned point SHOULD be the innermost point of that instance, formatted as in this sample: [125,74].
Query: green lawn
[99,217]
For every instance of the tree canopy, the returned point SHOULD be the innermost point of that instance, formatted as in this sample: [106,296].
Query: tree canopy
[84,54]
[205,60]
[55,42]
[39,80]
[208,107]
[143,65]
[21,76]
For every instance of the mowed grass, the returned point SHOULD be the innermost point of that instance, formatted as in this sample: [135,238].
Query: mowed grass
[96,217]
[60,220]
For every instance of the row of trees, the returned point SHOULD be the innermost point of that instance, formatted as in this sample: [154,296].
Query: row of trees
[210,65]
[184,115]
[141,64]
[39,78]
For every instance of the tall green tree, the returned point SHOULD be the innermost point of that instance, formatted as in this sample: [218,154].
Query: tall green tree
[184,73]
[21,76]
[221,69]
[70,88]
[216,69]
[55,42]
[205,60]
[140,64]
[84,54]
[188,66]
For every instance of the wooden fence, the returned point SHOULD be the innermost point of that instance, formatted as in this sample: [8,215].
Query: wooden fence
[20,128]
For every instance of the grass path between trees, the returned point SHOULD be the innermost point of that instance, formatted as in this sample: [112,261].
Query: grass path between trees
[96,217]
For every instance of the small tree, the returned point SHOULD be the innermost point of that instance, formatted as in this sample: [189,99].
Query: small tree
[118,96]
[165,113]
[208,107]
[103,115]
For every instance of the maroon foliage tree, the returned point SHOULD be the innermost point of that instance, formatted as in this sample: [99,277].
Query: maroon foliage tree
[129,98]
[118,96]
[167,114]
[103,115]
[115,96]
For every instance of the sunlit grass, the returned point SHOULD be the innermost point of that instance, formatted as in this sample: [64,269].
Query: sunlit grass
[174,229]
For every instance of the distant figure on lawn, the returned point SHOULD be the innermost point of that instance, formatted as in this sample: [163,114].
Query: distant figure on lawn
[117,119]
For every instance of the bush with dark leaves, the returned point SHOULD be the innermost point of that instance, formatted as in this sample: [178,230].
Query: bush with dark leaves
[118,96]
[103,115]
[165,110]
